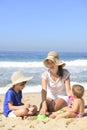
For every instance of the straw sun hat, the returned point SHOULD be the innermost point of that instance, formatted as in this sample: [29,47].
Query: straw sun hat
[55,58]
[18,77]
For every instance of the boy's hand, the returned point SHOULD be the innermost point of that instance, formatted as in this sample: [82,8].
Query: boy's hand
[27,106]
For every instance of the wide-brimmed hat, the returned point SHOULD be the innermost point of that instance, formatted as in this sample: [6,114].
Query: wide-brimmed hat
[55,58]
[18,77]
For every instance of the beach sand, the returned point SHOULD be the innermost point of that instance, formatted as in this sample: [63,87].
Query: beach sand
[31,123]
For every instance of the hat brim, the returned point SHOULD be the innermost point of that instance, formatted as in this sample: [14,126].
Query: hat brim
[56,61]
[23,79]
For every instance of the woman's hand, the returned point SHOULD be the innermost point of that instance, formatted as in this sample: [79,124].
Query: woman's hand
[43,109]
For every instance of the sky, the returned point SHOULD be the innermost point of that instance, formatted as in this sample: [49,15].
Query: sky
[43,25]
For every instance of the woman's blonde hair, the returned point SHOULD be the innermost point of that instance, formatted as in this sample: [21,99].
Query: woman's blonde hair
[78,90]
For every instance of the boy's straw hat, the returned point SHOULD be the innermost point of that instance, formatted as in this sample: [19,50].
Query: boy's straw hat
[55,58]
[18,77]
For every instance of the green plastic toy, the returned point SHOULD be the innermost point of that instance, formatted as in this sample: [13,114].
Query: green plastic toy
[41,117]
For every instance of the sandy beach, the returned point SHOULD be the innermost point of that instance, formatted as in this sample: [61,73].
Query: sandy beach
[31,123]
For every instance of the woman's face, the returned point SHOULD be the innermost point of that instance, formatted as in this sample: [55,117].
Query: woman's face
[52,65]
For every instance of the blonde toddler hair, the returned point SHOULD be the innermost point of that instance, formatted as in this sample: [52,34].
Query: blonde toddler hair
[78,90]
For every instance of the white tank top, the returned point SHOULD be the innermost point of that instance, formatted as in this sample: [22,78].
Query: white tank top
[56,87]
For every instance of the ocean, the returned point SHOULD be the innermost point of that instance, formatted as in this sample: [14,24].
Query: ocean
[31,63]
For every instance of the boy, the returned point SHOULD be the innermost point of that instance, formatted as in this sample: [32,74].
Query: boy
[13,106]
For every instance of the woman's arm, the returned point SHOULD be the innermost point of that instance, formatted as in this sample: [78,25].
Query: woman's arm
[68,87]
[43,95]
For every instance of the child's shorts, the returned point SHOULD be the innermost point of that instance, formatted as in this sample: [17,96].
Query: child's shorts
[11,114]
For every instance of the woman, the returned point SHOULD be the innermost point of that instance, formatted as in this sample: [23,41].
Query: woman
[55,84]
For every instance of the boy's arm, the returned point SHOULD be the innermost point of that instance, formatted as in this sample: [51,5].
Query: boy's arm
[12,107]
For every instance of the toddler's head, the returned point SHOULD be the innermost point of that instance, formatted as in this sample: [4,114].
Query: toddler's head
[78,90]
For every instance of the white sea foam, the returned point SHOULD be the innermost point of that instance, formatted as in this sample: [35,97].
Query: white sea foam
[5,64]
[27,89]
[77,63]
[20,64]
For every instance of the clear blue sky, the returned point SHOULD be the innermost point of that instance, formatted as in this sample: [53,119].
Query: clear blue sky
[43,25]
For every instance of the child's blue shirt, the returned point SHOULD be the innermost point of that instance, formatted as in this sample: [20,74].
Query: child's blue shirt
[11,96]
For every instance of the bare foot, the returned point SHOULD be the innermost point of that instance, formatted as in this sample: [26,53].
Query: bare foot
[24,117]
[52,116]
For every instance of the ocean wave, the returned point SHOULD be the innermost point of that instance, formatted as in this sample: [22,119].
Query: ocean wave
[76,63]
[27,89]
[6,64]
[20,64]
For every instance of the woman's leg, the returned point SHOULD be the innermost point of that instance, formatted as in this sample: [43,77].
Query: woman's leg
[49,102]
[59,104]
[55,105]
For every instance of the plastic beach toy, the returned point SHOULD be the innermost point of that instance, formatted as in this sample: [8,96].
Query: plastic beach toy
[41,117]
